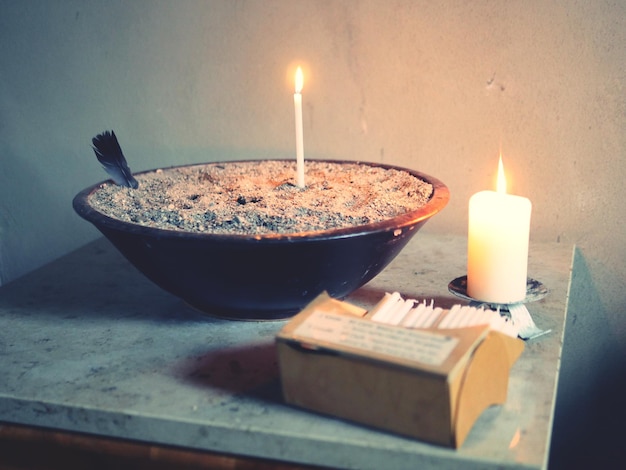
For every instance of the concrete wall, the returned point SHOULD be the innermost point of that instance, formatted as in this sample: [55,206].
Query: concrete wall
[437,86]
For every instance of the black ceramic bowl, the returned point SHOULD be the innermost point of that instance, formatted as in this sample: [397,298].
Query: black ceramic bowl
[267,277]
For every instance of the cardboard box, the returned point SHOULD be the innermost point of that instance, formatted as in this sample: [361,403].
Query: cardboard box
[428,384]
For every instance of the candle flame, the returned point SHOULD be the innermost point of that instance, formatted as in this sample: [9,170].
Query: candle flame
[501,184]
[299,80]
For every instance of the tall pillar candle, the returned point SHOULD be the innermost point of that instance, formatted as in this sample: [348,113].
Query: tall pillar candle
[498,235]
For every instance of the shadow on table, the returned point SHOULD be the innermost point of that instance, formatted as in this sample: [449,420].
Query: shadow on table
[248,370]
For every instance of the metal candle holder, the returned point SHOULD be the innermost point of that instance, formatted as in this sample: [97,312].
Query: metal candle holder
[535,290]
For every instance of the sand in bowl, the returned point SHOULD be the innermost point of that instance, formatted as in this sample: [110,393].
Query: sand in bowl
[260,198]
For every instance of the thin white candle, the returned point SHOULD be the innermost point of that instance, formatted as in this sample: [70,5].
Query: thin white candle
[498,234]
[424,311]
[400,311]
[432,318]
[383,309]
[297,102]
[414,315]
[467,318]
[450,316]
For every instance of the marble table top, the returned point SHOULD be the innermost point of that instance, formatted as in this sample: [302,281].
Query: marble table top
[88,344]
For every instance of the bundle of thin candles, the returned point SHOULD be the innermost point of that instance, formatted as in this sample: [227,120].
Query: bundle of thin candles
[394,310]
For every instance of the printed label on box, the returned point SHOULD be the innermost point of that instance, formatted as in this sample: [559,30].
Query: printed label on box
[424,347]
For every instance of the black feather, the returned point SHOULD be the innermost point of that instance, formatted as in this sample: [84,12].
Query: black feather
[109,153]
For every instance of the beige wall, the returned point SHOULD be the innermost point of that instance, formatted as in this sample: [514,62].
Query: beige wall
[436,86]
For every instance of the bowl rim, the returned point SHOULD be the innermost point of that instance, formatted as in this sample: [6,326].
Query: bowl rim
[438,200]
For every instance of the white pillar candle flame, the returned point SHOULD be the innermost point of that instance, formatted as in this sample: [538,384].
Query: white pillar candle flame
[501,182]
[498,235]
[297,101]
